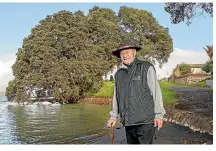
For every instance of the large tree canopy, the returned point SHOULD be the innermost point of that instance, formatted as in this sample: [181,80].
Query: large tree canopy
[141,26]
[181,12]
[67,53]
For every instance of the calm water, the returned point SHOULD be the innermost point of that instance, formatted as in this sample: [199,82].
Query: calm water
[51,124]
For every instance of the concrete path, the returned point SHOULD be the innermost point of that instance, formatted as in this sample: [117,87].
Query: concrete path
[209,83]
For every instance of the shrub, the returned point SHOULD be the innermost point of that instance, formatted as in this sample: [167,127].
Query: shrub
[185,68]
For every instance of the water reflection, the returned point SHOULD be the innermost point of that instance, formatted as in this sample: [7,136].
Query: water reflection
[50,124]
[7,124]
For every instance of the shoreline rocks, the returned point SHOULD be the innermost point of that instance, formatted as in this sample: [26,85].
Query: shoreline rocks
[189,119]
[34,103]
[194,109]
[96,100]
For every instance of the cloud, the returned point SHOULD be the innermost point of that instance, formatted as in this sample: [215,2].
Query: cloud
[178,56]
[6,74]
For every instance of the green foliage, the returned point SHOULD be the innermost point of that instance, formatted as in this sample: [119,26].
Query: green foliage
[106,90]
[208,66]
[185,68]
[209,51]
[67,53]
[200,84]
[144,29]
[11,89]
[187,11]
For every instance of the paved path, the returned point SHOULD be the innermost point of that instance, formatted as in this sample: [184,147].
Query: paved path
[197,100]
[209,83]
[169,134]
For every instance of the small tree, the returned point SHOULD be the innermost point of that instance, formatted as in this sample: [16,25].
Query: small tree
[185,68]
[209,51]
[208,66]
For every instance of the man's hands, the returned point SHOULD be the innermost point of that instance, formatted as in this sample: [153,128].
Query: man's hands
[158,123]
[111,123]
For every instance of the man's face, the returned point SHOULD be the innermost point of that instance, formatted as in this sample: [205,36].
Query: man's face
[127,55]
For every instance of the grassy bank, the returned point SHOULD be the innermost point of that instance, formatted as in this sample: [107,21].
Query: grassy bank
[201,84]
[106,91]
[169,96]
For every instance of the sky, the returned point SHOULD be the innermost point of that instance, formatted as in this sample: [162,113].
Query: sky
[17,20]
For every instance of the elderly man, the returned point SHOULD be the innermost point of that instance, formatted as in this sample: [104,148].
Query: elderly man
[137,96]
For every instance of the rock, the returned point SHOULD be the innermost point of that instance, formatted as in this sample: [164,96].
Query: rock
[194,108]
[197,123]
[36,103]
[96,100]
[13,103]
[194,121]
[56,104]
[45,103]
[25,103]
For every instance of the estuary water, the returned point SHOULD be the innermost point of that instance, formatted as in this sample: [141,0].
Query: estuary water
[51,123]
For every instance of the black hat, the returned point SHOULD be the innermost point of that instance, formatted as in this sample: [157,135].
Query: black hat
[127,44]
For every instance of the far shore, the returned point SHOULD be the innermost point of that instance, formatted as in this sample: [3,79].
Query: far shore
[2,93]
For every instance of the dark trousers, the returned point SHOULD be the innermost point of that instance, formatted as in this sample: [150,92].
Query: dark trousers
[140,134]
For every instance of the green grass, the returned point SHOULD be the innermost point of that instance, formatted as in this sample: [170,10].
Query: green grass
[106,91]
[169,96]
[200,84]
[167,84]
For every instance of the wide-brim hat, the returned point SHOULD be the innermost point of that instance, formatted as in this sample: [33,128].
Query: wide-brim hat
[127,44]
